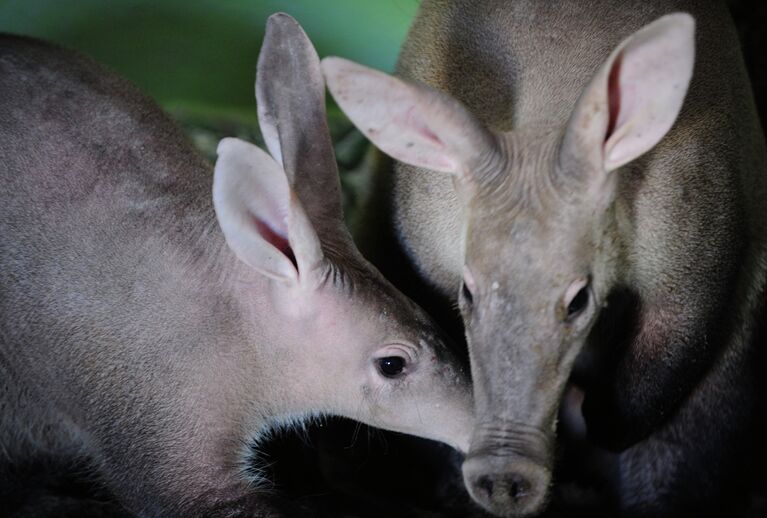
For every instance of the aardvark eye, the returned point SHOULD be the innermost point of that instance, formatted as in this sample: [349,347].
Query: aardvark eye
[579,302]
[391,366]
[467,296]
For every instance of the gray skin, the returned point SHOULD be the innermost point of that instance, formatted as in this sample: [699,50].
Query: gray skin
[561,179]
[140,333]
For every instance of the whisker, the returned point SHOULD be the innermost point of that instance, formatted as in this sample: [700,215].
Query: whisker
[355,434]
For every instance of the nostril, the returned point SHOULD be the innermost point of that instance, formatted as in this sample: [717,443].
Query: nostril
[509,486]
[485,484]
[519,489]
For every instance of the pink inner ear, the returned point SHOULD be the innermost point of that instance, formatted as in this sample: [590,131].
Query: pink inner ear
[275,239]
[614,94]
[412,120]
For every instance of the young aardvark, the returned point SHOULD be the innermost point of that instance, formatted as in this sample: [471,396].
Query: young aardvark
[160,344]
[579,201]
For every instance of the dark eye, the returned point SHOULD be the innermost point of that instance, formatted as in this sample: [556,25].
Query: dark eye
[391,366]
[467,296]
[578,303]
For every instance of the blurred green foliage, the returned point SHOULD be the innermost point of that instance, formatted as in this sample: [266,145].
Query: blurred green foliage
[202,53]
[197,58]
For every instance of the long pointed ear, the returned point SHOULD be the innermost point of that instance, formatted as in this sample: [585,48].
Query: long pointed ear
[413,123]
[635,97]
[290,93]
[262,220]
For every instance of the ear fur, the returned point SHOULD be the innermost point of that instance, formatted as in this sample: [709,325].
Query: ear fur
[290,93]
[412,123]
[262,220]
[636,95]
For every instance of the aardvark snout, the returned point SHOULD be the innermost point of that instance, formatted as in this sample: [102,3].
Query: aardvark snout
[510,478]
